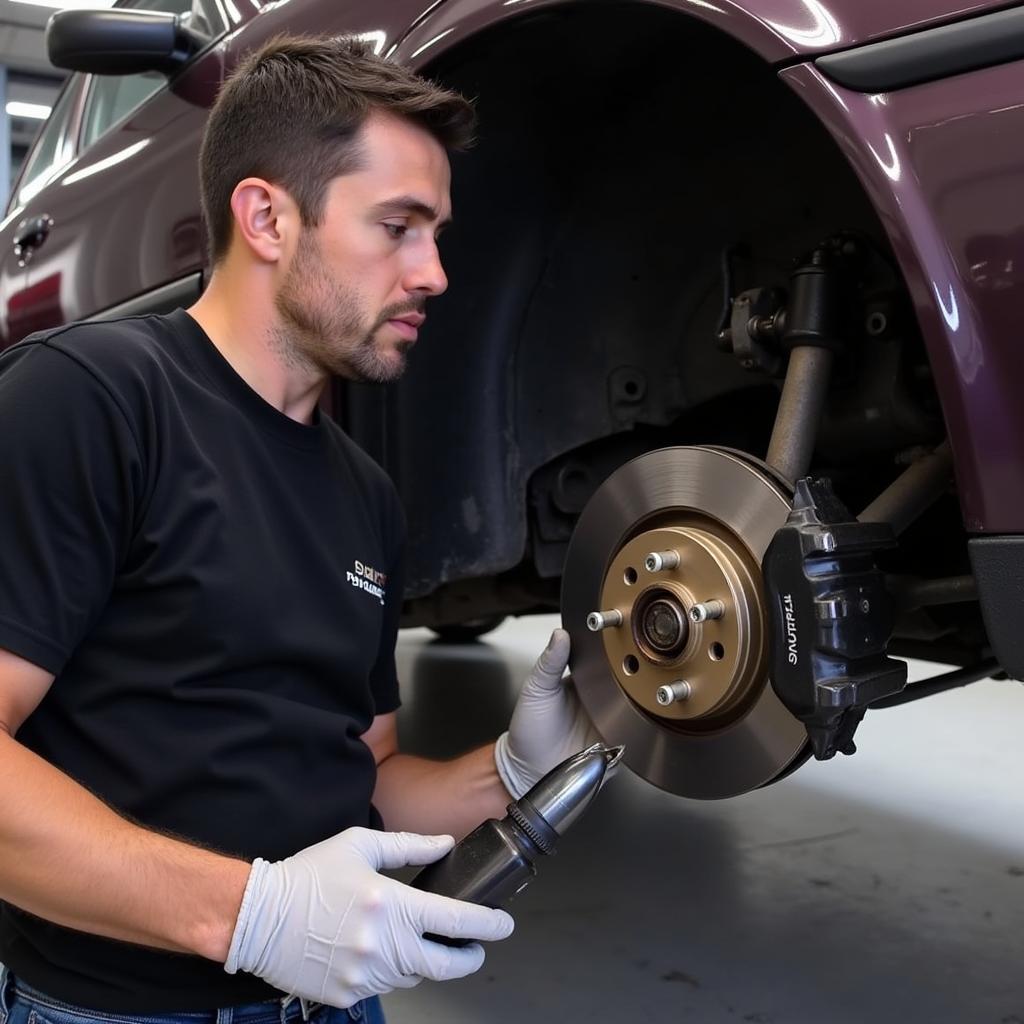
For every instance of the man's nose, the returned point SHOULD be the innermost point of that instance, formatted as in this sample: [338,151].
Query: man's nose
[428,275]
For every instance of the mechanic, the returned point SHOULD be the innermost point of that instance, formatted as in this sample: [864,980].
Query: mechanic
[200,586]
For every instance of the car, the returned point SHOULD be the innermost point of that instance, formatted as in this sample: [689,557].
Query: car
[729,368]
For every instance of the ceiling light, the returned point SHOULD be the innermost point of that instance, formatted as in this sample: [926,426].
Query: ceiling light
[67,5]
[36,111]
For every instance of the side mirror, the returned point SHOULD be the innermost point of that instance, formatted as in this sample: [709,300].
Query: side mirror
[120,42]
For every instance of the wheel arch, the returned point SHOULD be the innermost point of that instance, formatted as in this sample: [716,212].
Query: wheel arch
[585,267]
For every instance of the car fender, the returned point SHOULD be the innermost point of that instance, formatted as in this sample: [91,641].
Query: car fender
[777,30]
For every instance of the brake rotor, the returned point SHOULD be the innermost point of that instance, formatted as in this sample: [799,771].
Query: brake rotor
[674,664]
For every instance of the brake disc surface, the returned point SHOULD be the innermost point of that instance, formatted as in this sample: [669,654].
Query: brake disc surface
[680,675]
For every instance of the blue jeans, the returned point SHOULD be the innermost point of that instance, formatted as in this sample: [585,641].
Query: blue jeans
[20,1004]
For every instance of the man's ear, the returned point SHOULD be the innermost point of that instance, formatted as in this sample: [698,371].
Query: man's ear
[266,219]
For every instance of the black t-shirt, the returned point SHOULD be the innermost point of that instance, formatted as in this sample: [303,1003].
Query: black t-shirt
[216,588]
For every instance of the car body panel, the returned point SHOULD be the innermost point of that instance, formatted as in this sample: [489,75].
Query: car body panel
[17,303]
[382,25]
[943,163]
[148,192]
[777,30]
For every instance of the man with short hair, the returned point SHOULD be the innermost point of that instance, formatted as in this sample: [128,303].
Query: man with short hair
[200,585]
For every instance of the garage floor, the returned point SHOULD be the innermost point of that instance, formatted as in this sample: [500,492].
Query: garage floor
[884,887]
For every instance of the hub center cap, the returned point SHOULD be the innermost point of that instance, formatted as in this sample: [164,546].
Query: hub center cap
[664,627]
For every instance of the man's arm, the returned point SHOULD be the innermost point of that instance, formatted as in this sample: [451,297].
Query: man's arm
[417,795]
[67,857]
[548,725]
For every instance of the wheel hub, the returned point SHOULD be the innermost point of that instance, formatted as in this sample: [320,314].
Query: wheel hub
[658,644]
[673,665]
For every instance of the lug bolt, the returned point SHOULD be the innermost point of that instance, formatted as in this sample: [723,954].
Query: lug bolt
[672,692]
[707,610]
[658,560]
[596,621]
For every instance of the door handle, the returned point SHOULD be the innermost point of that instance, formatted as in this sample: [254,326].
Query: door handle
[29,235]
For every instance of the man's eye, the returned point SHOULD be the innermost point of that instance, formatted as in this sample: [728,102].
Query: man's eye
[396,231]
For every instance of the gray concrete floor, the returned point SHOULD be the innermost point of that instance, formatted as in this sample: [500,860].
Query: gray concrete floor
[886,887]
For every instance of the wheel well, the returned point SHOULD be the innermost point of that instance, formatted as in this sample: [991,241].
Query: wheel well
[622,150]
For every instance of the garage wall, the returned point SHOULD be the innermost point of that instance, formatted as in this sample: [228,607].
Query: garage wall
[28,82]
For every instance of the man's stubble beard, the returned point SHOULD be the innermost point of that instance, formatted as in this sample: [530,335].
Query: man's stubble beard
[323,327]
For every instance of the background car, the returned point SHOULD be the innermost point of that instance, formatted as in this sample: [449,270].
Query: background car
[676,213]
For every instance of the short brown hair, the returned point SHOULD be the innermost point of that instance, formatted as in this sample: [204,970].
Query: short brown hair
[292,111]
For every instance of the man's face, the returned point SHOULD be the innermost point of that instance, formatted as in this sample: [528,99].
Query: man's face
[354,294]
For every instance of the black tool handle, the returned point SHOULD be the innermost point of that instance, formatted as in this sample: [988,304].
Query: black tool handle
[488,867]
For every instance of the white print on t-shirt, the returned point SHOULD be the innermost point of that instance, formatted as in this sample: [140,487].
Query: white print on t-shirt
[367,578]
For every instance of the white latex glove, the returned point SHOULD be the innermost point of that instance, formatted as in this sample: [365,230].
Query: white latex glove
[548,723]
[326,926]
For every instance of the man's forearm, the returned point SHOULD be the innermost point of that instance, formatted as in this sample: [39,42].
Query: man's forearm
[435,797]
[67,857]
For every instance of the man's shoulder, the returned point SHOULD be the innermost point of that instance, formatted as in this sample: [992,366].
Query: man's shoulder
[129,358]
[107,345]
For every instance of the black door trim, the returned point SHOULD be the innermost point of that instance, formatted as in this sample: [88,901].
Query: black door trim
[980,42]
[164,299]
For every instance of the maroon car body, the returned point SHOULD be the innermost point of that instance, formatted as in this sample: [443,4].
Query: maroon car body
[623,147]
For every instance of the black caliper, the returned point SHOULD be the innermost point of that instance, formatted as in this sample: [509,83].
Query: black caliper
[830,617]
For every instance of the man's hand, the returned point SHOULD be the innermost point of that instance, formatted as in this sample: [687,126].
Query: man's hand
[548,724]
[326,926]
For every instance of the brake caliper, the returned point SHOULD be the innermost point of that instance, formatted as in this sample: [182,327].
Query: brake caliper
[831,617]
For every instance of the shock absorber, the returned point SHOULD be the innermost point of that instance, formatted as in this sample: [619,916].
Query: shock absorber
[810,323]
[811,329]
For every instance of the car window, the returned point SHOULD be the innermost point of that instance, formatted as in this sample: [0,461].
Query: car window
[52,150]
[113,97]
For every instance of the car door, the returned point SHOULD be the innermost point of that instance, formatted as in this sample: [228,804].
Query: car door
[120,225]
[27,225]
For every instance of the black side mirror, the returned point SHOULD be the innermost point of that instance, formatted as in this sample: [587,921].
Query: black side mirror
[120,42]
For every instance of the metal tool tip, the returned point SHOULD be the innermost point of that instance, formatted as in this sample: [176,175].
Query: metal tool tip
[613,755]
